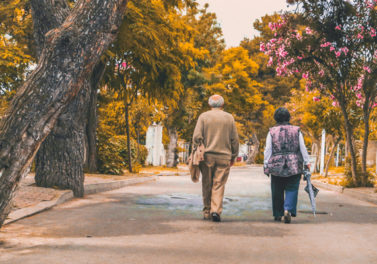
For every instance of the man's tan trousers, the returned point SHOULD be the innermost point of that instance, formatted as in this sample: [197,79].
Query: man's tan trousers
[215,172]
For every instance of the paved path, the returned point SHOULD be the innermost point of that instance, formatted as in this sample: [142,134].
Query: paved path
[160,222]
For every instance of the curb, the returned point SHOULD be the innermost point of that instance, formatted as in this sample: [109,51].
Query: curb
[329,187]
[68,195]
[371,198]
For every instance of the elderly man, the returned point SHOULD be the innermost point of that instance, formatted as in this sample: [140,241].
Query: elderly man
[217,131]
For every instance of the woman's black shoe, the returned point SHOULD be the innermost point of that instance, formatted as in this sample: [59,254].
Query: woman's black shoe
[277,218]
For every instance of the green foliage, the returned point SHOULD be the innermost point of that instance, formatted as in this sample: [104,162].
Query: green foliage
[111,139]
[233,77]
[16,43]
[113,157]
[362,179]
[275,89]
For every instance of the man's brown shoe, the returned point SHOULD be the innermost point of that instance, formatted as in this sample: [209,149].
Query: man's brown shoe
[206,216]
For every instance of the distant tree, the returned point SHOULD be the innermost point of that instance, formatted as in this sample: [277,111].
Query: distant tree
[16,43]
[332,44]
[275,89]
[312,113]
[233,76]
[147,56]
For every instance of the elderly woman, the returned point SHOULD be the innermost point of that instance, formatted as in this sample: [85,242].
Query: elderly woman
[285,156]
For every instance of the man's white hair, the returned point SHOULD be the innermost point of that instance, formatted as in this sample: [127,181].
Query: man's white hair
[216,101]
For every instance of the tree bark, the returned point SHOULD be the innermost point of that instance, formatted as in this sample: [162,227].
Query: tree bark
[173,143]
[315,151]
[365,143]
[64,168]
[91,127]
[350,142]
[68,56]
[126,113]
[60,159]
[253,150]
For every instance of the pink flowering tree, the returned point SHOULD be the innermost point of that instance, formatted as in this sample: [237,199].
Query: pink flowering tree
[332,45]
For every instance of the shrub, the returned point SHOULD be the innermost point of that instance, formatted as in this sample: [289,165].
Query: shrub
[113,154]
[362,179]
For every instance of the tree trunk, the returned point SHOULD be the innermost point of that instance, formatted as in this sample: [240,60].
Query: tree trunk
[315,152]
[126,113]
[64,168]
[60,159]
[91,127]
[68,56]
[365,144]
[335,144]
[253,150]
[170,155]
[350,142]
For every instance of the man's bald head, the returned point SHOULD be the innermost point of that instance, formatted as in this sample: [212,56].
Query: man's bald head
[216,101]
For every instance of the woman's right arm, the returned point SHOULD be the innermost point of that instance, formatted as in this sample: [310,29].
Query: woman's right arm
[267,149]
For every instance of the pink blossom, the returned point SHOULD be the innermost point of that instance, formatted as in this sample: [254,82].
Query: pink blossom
[298,36]
[262,47]
[308,31]
[321,73]
[366,68]
[345,50]
[359,95]
[270,61]
[374,105]
[305,75]
[359,36]
[326,44]
[124,65]
[271,26]
[316,99]
[335,104]
[338,53]
[282,52]
[339,27]
[299,57]
[273,40]
[332,48]
[372,32]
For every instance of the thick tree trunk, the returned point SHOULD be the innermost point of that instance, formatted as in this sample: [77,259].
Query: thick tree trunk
[253,150]
[126,113]
[173,143]
[68,57]
[64,168]
[335,144]
[91,127]
[60,159]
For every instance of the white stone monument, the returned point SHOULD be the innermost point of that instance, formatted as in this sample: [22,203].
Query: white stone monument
[156,151]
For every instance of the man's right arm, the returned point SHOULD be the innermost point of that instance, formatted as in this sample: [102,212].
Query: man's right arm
[198,132]
[267,149]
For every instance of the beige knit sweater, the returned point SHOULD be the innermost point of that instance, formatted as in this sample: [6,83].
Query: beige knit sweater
[217,130]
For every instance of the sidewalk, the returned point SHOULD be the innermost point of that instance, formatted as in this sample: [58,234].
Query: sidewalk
[30,199]
[332,183]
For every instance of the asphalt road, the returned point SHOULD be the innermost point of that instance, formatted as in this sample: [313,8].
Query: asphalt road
[161,222]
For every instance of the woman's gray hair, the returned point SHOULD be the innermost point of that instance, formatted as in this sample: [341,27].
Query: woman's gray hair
[216,101]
